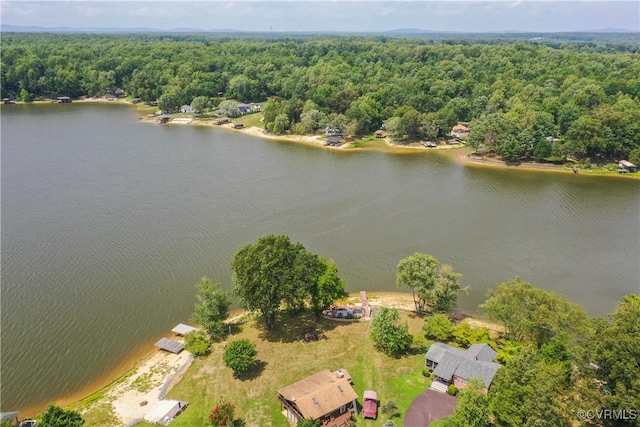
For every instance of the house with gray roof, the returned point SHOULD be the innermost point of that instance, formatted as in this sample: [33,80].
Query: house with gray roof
[452,365]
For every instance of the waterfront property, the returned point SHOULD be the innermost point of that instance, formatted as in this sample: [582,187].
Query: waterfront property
[454,366]
[460,131]
[181,329]
[326,396]
[626,166]
[170,345]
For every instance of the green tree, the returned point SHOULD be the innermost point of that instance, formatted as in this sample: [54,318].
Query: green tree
[534,315]
[240,356]
[281,124]
[388,335]
[201,104]
[55,416]
[433,285]
[327,289]
[617,353]
[439,327]
[229,108]
[272,274]
[169,103]
[467,335]
[472,407]
[212,307]
[197,343]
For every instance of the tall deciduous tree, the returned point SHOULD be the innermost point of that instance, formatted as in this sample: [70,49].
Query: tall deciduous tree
[212,307]
[534,315]
[274,273]
[434,286]
[472,408]
[617,353]
[240,356]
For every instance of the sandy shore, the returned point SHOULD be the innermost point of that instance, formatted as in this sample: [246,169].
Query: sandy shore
[139,394]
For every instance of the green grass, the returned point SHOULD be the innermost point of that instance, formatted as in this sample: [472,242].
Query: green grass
[284,360]
[250,120]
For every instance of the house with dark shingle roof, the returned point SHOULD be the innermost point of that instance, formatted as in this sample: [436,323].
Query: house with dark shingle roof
[454,366]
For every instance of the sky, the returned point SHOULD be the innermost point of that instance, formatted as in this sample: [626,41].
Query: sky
[328,15]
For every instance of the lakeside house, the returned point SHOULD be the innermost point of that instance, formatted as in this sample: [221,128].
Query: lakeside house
[460,131]
[325,396]
[452,365]
[187,109]
[244,108]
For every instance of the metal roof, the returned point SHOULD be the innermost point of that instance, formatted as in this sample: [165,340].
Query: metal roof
[170,345]
[183,329]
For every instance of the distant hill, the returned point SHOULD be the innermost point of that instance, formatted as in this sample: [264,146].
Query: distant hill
[394,32]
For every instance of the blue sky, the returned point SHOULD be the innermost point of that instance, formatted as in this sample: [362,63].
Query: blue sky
[332,15]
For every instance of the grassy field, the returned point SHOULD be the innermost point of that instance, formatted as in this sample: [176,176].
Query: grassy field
[284,359]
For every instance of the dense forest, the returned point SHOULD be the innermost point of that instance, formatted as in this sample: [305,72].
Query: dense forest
[543,99]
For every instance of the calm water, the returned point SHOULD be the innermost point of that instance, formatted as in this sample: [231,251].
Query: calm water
[108,223]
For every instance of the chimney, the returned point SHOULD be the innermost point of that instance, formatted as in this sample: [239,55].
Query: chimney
[340,374]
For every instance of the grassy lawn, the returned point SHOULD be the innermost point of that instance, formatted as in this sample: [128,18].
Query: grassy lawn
[284,360]
[250,120]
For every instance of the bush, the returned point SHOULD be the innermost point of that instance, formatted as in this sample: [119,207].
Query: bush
[197,343]
[390,408]
[55,416]
[426,373]
[452,390]
[240,356]
[222,414]
[388,336]
[438,327]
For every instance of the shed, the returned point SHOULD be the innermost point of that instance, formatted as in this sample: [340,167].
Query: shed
[63,100]
[170,345]
[238,125]
[380,134]
[182,329]
[627,165]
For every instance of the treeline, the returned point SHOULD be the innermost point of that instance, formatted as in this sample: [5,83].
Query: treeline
[514,94]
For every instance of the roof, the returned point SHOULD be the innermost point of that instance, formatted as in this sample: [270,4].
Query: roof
[370,395]
[627,163]
[170,345]
[321,393]
[476,361]
[8,416]
[481,352]
[183,329]
[460,128]
[438,350]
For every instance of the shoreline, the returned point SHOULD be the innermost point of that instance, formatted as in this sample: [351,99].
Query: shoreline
[363,144]
[147,371]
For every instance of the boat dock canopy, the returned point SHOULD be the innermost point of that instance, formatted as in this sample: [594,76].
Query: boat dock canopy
[170,345]
[183,329]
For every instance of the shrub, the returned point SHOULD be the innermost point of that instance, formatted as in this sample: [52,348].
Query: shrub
[388,335]
[452,390]
[438,327]
[222,414]
[240,356]
[197,343]
[390,408]
[426,373]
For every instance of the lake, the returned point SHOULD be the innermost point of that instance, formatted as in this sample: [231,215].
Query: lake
[108,223]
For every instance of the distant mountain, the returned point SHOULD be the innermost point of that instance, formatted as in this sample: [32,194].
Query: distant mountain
[396,32]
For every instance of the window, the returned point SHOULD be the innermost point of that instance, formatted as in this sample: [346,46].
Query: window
[343,409]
